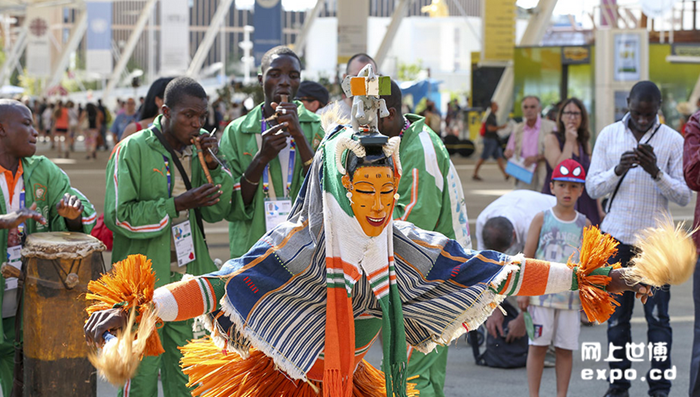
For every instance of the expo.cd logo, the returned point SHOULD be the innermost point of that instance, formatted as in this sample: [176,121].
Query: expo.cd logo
[267,3]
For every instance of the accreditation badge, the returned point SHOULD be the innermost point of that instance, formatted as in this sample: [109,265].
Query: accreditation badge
[14,258]
[184,243]
[276,212]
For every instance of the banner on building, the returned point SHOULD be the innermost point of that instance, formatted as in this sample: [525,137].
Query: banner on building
[38,54]
[267,21]
[499,30]
[174,37]
[352,28]
[685,49]
[628,60]
[575,55]
[99,37]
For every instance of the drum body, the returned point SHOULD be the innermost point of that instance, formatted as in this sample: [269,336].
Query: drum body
[58,266]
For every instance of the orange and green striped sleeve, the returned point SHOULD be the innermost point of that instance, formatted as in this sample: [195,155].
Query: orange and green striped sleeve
[189,298]
[536,277]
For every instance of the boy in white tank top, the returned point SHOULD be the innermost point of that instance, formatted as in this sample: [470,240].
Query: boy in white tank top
[553,235]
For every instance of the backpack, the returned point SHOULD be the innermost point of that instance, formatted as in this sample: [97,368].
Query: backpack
[102,233]
[453,144]
[498,353]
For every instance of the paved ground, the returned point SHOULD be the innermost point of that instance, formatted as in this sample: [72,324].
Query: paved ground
[464,377]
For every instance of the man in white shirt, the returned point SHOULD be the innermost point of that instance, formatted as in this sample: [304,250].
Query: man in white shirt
[503,224]
[638,161]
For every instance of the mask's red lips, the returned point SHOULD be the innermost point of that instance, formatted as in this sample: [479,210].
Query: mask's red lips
[376,221]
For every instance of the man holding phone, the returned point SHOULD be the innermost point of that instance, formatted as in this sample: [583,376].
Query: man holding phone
[637,162]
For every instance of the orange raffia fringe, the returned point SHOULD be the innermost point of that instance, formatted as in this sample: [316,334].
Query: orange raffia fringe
[217,373]
[597,247]
[130,284]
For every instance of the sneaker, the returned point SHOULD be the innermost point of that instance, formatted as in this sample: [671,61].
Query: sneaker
[477,178]
[658,394]
[616,392]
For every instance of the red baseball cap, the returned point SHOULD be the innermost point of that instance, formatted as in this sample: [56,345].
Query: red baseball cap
[569,170]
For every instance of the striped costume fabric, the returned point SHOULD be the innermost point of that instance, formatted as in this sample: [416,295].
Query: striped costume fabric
[276,296]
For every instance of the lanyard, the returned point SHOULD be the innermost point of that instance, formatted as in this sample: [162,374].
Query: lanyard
[183,174]
[290,167]
[20,228]
[406,126]
[167,174]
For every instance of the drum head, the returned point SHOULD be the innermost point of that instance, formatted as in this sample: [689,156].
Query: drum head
[61,245]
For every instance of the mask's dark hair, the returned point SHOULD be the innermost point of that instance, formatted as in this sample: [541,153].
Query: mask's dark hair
[583,133]
[362,57]
[279,50]
[645,91]
[497,234]
[375,158]
[157,90]
[181,87]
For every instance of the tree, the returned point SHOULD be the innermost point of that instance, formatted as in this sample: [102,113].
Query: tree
[410,71]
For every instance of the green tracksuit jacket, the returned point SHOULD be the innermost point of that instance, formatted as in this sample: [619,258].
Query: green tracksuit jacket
[138,205]
[431,197]
[44,184]
[239,145]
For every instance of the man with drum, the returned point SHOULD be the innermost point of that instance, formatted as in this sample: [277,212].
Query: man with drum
[158,193]
[36,197]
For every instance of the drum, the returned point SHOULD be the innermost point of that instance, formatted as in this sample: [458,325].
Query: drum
[58,266]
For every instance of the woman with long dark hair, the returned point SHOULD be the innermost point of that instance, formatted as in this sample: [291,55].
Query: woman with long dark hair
[94,122]
[151,107]
[571,141]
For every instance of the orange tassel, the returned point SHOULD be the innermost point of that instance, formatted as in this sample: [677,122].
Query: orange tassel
[130,284]
[216,373]
[596,248]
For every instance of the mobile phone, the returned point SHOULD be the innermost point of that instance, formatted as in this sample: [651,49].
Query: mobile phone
[647,146]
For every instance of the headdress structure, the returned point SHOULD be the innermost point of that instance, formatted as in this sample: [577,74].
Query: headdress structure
[365,90]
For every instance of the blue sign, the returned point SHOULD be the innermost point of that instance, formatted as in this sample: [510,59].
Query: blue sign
[99,34]
[267,20]
[99,37]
